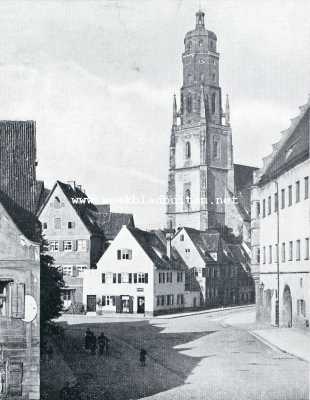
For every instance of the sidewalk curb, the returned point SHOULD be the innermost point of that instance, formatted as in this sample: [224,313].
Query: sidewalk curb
[209,311]
[275,347]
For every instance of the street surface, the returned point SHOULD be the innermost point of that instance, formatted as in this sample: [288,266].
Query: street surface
[205,357]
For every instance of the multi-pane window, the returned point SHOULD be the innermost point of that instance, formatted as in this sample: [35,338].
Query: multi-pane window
[67,270]
[53,245]
[180,299]
[283,252]
[269,205]
[264,208]
[182,238]
[297,194]
[71,225]
[307,249]
[297,250]
[44,225]
[57,223]
[82,245]
[180,276]
[108,301]
[124,254]
[68,245]
[81,268]
[142,278]
[290,251]
[290,195]
[170,299]
[306,180]
[125,277]
[301,307]
[169,277]
[270,254]
[282,198]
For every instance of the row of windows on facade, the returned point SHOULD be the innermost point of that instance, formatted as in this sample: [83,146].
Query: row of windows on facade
[283,198]
[215,149]
[168,300]
[69,245]
[124,277]
[139,277]
[199,43]
[58,225]
[71,270]
[283,252]
[189,103]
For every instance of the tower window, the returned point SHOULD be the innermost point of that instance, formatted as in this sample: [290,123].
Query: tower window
[190,78]
[189,45]
[188,150]
[216,148]
[200,43]
[189,104]
[213,100]
[187,198]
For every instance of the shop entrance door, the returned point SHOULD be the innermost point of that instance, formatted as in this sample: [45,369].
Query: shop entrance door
[141,305]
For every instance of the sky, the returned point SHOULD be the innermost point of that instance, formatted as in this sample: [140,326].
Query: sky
[98,77]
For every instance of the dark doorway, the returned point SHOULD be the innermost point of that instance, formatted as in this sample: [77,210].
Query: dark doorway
[141,305]
[287,308]
[91,303]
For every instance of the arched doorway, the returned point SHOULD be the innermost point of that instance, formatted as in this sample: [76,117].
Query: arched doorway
[287,307]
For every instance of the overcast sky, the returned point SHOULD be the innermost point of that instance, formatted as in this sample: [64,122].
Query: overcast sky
[99,76]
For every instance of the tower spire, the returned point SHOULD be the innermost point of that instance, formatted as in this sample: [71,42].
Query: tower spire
[227,111]
[200,19]
[175,113]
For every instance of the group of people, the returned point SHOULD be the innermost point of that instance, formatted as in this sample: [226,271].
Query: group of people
[92,343]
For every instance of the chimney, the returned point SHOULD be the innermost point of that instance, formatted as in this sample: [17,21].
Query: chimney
[168,244]
[72,184]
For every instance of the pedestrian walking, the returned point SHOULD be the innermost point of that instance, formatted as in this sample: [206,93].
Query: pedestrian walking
[93,344]
[106,345]
[88,337]
[101,343]
[142,357]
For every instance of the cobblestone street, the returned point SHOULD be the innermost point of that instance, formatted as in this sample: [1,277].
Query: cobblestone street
[207,356]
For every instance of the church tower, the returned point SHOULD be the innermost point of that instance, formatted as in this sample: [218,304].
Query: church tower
[201,156]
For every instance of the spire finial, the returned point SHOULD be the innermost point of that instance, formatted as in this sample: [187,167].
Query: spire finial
[227,111]
[200,19]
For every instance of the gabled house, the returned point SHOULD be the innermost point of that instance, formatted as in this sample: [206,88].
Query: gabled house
[220,269]
[137,274]
[75,240]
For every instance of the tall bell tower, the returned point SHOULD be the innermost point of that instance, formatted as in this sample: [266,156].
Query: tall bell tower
[201,155]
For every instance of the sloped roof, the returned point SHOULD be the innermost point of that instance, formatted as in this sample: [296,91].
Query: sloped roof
[84,209]
[41,194]
[238,256]
[292,149]
[111,223]
[157,250]
[205,241]
[25,221]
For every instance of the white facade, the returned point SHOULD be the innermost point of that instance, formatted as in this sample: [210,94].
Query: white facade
[293,221]
[126,280]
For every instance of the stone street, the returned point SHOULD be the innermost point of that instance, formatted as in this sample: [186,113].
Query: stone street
[205,356]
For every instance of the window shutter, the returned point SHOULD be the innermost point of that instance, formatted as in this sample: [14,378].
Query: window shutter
[17,299]
[135,278]
[15,378]
[103,300]
[130,278]
[74,245]
[146,278]
[61,245]
[118,304]
[119,254]
[119,278]
[131,304]
[103,278]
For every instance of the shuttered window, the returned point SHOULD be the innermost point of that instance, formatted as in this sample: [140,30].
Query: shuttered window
[17,300]
[15,378]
